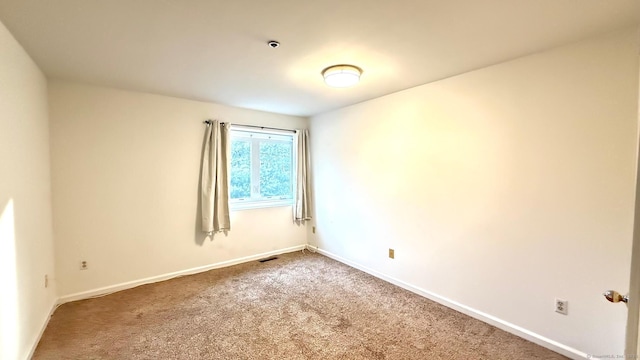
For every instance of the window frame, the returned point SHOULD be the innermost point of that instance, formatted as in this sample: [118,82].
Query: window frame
[257,136]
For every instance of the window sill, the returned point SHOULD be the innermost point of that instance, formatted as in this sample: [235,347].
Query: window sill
[239,206]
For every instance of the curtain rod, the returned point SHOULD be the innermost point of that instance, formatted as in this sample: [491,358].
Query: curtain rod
[208,122]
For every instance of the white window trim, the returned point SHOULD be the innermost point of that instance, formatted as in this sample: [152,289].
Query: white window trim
[237,205]
[252,203]
[252,129]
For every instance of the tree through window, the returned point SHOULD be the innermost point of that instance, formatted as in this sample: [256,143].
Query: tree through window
[262,169]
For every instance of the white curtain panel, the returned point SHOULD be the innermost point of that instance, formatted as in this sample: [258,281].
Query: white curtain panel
[302,205]
[215,178]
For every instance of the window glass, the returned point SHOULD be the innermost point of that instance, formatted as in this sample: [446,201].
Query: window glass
[275,169]
[240,169]
[262,166]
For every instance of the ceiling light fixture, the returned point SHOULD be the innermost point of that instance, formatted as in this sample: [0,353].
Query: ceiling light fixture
[341,75]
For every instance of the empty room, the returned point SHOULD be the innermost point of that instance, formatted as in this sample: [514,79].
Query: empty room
[409,179]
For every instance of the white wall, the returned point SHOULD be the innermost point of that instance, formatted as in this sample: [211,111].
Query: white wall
[26,237]
[125,171]
[500,189]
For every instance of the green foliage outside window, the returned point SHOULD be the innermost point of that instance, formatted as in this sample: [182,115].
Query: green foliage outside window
[273,175]
[240,169]
[275,169]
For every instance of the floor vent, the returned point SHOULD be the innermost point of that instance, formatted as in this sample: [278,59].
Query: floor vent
[268,259]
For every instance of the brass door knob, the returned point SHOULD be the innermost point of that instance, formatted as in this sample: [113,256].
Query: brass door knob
[614,296]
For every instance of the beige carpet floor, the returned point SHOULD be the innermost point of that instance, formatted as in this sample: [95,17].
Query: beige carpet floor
[300,306]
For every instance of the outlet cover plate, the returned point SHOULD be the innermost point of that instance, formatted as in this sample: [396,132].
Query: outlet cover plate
[562,306]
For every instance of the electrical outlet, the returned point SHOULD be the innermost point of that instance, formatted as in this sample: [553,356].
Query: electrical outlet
[392,254]
[313,229]
[84,265]
[562,306]
[46,280]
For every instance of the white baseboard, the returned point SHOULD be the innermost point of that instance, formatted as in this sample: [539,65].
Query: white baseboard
[54,306]
[131,284]
[484,317]
[489,319]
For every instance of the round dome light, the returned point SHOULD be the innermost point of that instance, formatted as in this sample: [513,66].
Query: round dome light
[341,75]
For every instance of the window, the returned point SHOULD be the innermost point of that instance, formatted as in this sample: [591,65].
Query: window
[262,168]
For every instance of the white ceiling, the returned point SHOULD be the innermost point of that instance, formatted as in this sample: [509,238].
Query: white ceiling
[215,50]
